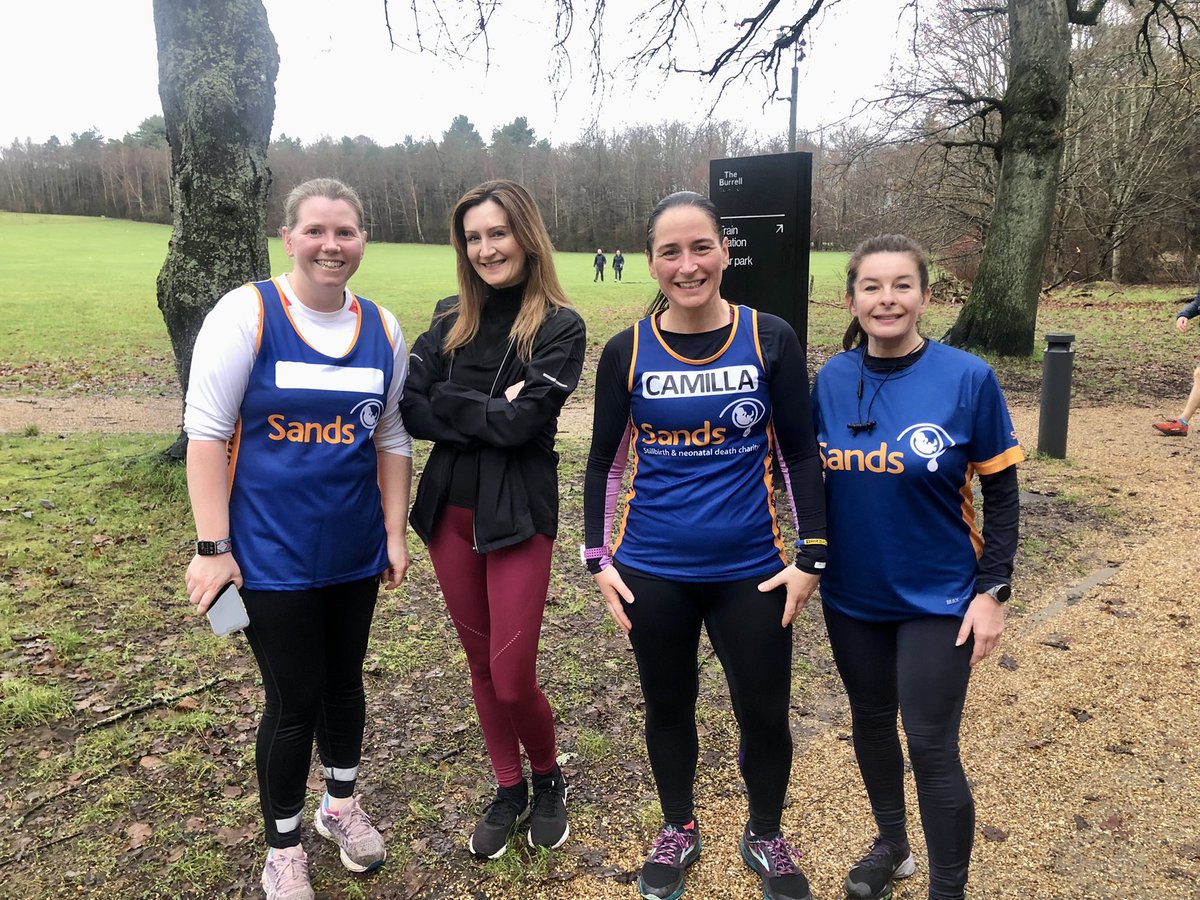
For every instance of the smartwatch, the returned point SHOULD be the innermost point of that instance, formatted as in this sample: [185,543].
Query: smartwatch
[214,548]
[1000,592]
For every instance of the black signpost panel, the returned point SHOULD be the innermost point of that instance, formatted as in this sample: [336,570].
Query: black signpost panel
[765,204]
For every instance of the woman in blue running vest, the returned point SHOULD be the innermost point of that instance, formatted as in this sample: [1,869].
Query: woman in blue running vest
[709,396]
[913,592]
[298,470]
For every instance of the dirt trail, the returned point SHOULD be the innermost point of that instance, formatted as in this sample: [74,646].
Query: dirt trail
[1080,735]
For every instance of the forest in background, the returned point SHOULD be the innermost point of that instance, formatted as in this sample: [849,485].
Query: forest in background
[913,161]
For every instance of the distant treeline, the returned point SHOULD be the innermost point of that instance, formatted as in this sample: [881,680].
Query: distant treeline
[1124,214]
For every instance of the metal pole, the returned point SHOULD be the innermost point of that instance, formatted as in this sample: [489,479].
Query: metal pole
[795,95]
[1057,364]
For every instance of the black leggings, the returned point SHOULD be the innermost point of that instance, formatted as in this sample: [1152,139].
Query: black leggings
[912,667]
[310,647]
[756,653]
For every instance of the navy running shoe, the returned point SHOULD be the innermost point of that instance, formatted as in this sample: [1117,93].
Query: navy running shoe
[674,850]
[770,858]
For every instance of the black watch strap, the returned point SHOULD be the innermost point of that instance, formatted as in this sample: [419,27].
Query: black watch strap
[214,548]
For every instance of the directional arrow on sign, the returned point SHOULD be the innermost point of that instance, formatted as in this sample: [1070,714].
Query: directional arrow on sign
[779,228]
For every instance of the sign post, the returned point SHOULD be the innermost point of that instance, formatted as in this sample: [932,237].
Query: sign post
[765,204]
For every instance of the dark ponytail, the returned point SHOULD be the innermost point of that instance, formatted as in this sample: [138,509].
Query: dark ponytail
[679,198]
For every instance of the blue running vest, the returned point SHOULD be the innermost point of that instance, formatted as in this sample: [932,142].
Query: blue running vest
[304,503]
[701,505]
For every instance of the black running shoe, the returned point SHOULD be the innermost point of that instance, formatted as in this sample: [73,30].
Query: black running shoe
[502,817]
[663,872]
[548,826]
[871,877]
[770,858]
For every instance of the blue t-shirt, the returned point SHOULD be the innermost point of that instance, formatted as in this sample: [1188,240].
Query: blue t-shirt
[700,505]
[903,539]
[304,503]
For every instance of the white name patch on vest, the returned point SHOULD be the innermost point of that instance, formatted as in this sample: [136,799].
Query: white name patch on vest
[303,376]
[704,383]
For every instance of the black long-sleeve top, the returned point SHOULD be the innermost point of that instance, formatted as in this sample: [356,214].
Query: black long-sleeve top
[490,454]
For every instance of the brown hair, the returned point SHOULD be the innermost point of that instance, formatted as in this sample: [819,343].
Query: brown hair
[329,188]
[881,243]
[679,198]
[543,294]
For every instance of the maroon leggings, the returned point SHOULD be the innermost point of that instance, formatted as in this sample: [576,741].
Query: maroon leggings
[496,600]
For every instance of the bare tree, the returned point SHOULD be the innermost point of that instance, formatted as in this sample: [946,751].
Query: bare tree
[217,62]
[1001,313]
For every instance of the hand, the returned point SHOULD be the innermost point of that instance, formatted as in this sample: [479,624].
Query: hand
[397,551]
[1182,323]
[984,618]
[510,392]
[800,586]
[206,575]
[614,589]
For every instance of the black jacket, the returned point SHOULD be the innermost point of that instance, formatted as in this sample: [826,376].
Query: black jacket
[517,483]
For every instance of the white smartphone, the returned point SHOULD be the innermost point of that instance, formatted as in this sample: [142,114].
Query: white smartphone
[228,613]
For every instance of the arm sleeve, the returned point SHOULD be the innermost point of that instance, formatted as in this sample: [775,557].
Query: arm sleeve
[795,437]
[1191,310]
[426,369]
[1001,529]
[611,433]
[391,436]
[221,362]
[550,377]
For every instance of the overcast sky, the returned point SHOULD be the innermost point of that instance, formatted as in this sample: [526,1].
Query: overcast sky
[70,65]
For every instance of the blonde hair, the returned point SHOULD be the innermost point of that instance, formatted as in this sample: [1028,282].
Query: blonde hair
[329,188]
[881,243]
[543,295]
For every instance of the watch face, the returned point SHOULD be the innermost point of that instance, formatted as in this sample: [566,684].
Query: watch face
[206,548]
[1001,592]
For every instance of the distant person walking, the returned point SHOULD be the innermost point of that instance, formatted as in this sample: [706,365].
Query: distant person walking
[486,385]
[598,263]
[710,396]
[305,523]
[913,593]
[618,265]
[1178,427]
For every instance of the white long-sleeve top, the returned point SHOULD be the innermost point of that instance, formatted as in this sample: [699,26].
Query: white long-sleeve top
[226,348]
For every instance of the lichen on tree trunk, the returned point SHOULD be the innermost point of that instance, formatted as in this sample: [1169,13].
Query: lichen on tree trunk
[1000,315]
[217,62]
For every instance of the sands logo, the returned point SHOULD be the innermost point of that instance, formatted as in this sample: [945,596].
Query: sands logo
[880,461]
[335,432]
[927,441]
[368,412]
[745,413]
[705,436]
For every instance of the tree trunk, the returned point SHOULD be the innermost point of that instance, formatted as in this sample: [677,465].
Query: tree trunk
[1000,314]
[217,62]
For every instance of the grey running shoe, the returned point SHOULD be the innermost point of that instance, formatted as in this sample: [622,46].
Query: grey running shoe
[285,876]
[361,845]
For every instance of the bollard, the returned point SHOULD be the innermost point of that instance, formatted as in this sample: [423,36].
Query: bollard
[1057,363]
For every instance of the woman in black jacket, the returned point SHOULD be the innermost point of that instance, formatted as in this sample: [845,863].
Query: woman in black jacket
[485,384]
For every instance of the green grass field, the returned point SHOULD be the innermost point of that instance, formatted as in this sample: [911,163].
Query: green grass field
[81,314]
[81,310]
